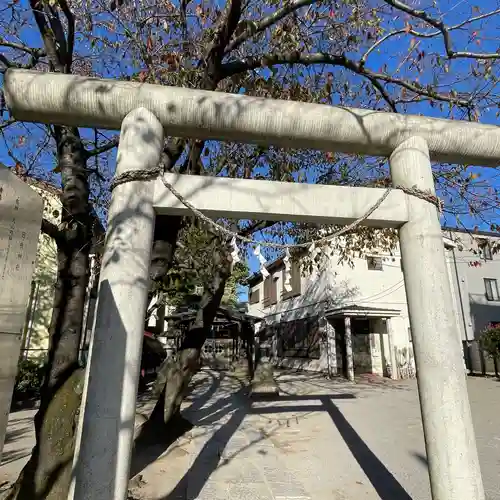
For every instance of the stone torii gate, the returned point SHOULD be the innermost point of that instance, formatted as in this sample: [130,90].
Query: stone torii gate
[145,113]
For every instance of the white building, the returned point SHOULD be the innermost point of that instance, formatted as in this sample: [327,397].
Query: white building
[475,270]
[306,328]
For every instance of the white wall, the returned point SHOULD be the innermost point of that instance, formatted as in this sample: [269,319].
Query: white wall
[380,289]
[313,294]
[36,334]
[468,280]
[344,285]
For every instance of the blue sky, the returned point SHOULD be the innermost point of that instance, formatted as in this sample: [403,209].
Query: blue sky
[484,37]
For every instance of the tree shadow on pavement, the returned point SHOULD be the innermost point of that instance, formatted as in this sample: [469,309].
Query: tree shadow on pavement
[235,405]
[154,440]
[238,405]
[20,429]
[209,458]
[14,455]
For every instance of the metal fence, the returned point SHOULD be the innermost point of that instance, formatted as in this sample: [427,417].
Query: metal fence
[477,361]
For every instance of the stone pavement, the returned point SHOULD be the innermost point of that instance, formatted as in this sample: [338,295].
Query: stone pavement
[320,440]
[19,441]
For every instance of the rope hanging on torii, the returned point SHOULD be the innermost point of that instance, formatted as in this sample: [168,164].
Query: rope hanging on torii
[233,237]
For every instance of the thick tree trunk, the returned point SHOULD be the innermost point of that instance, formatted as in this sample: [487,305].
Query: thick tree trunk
[164,240]
[182,367]
[176,372]
[167,227]
[47,474]
[179,372]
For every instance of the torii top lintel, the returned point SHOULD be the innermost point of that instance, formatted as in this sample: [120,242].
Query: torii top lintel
[102,103]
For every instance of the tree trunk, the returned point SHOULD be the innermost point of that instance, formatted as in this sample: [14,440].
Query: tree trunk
[176,372]
[164,240]
[167,227]
[180,369]
[248,336]
[47,474]
[179,373]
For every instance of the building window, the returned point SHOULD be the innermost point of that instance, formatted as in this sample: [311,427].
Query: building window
[491,287]
[270,291]
[300,338]
[254,297]
[485,248]
[374,263]
[30,317]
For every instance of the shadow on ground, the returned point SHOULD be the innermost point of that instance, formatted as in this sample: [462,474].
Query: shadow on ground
[22,429]
[421,458]
[236,405]
[382,480]
[153,441]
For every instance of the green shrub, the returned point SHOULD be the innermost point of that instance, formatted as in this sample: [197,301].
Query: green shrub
[29,379]
[489,340]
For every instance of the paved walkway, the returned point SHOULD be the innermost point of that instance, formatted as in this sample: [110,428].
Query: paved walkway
[320,440]
[19,441]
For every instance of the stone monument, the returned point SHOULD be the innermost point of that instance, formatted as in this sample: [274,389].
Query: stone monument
[20,221]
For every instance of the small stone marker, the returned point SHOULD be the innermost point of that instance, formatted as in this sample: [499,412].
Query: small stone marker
[21,211]
[263,383]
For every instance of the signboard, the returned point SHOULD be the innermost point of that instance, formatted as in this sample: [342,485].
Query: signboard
[21,211]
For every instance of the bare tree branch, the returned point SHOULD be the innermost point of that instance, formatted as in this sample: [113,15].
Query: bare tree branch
[70,42]
[444,30]
[6,62]
[212,72]
[48,36]
[36,55]
[253,28]
[480,17]
[432,34]
[224,33]
[6,123]
[250,63]
[21,47]
[390,35]
[256,226]
[108,146]
[183,10]
[474,55]
[10,64]
[385,95]
[172,151]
